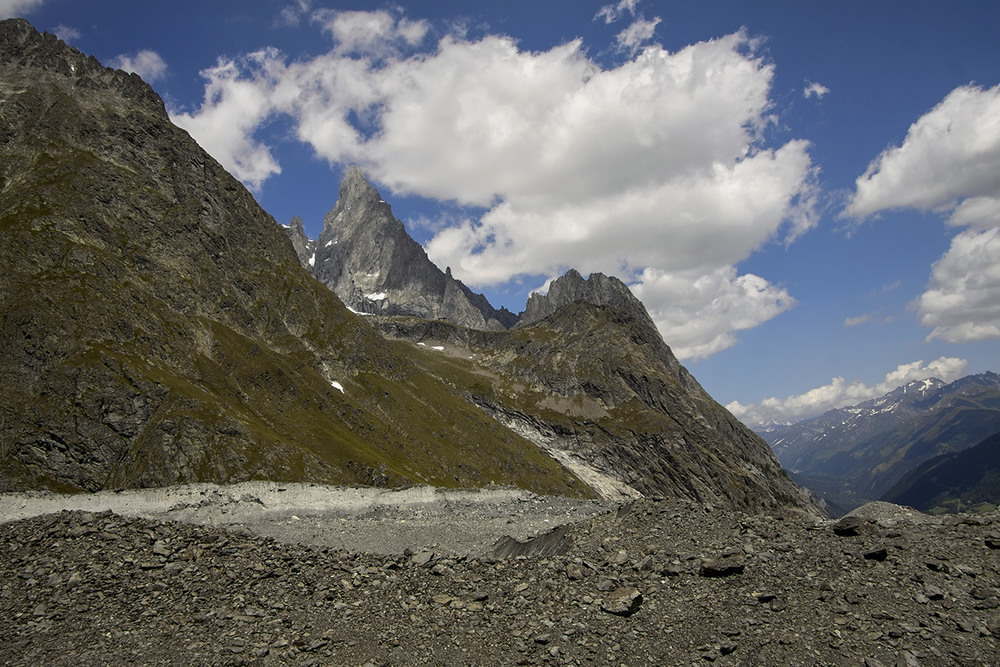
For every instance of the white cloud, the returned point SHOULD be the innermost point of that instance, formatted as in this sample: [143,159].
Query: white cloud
[146,63]
[233,109]
[950,153]
[66,33]
[962,302]
[372,33]
[13,8]
[814,89]
[950,162]
[840,393]
[699,315]
[653,170]
[291,15]
[637,34]
[611,13]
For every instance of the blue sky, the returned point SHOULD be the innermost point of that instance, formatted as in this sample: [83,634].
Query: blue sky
[806,196]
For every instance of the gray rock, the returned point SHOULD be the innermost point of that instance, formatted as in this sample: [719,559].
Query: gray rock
[366,257]
[623,601]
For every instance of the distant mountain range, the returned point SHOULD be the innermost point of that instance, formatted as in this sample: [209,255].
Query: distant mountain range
[855,454]
[160,328]
[956,482]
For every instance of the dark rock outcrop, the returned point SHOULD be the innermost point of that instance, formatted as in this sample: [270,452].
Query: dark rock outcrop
[366,257]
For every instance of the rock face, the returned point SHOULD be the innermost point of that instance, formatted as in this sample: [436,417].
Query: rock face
[157,327]
[366,257]
[597,388]
[598,289]
[96,588]
[305,247]
[855,454]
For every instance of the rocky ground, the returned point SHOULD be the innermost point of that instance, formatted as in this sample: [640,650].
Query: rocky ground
[664,582]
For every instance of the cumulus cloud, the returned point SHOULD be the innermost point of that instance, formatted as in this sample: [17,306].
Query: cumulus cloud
[840,393]
[950,153]
[655,170]
[233,109]
[699,315]
[12,8]
[962,302]
[371,33]
[814,89]
[949,162]
[146,63]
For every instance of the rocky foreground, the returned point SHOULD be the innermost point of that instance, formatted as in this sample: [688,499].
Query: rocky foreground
[668,583]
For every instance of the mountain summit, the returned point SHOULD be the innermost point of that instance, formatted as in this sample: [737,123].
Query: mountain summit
[366,257]
[157,328]
[598,289]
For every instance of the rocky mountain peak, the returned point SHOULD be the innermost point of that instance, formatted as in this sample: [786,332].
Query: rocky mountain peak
[598,289]
[366,257]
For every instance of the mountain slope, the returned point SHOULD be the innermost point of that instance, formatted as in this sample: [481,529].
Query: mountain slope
[857,453]
[597,387]
[157,327]
[366,257]
[959,480]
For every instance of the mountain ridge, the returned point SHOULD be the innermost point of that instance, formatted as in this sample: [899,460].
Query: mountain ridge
[159,329]
[365,256]
[857,453]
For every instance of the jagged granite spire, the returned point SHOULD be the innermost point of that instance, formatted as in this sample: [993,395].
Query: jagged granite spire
[366,257]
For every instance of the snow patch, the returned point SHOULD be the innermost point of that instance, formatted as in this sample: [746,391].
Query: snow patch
[337,385]
[438,347]
[312,260]
[329,243]
[375,296]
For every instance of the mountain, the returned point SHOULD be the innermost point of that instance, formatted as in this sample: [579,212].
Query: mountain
[957,481]
[157,327]
[596,386]
[366,257]
[597,289]
[857,453]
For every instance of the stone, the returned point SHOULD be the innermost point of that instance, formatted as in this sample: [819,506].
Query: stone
[879,554]
[850,526]
[422,558]
[623,601]
[723,566]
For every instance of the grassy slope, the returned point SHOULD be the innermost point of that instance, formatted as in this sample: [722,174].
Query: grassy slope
[158,329]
